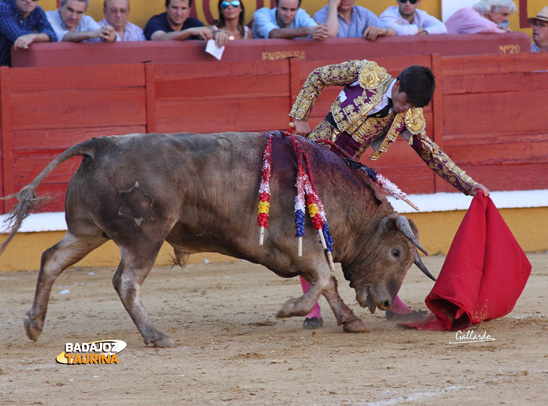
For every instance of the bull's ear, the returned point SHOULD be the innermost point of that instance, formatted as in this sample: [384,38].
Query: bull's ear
[383,225]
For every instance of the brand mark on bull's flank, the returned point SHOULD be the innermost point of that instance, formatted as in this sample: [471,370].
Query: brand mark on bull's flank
[95,352]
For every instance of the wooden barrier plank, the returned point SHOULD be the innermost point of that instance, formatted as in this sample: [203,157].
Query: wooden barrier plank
[506,82]
[228,87]
[508,176]
[490,64]
[168,73]
[213,115]
[487,113]
[78,109]
[493,149]
[28,166]
[54,79]
[60,139]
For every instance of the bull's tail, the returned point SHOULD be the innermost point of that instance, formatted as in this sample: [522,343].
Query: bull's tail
[28,201]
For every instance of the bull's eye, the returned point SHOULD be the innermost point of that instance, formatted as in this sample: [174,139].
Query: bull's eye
[395,253]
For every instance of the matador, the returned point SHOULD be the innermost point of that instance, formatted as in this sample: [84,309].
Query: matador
[373,110]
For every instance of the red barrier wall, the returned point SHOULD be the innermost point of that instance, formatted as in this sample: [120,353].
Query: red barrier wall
[489,113]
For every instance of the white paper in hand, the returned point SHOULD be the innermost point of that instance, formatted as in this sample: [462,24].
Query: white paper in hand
[214,50]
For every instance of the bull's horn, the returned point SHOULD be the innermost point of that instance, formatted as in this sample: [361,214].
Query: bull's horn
[403,225]
[420,265]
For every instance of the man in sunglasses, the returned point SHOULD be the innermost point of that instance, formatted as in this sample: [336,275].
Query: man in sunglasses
[405,19]
[373,110]
[287,20]
[540,31]
[22,22]
[344,20]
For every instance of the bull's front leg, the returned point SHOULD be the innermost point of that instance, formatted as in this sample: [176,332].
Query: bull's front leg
[345,316]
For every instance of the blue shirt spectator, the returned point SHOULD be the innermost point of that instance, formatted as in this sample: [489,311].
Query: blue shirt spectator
[287,20]
[352,21]
[22,23]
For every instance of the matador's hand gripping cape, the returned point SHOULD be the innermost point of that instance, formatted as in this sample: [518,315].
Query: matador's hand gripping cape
[351,126]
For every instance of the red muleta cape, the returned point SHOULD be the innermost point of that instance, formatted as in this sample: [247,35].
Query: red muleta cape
[483,275]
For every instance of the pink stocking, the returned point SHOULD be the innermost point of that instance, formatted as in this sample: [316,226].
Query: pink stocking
[400,307]
[316,311]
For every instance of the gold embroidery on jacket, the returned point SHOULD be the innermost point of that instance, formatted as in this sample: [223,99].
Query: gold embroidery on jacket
[395,130]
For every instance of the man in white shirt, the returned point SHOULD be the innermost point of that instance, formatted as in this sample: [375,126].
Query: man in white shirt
[405,19]
[70,23]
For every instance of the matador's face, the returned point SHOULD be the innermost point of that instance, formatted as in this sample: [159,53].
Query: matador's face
[399,99]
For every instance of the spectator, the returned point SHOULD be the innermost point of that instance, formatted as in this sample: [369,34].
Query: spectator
[116,15]
[540,31]
[22,22]
[232,20]
[287,20]
[405,19]
[176,24]
[484,17]
[344,20]
[70,23]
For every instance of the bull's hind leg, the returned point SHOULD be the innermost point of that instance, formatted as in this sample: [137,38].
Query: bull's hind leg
[319,281]
[132,271]
[55,260]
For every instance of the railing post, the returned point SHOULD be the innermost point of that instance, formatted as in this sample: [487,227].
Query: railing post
[150,94]
[6,136]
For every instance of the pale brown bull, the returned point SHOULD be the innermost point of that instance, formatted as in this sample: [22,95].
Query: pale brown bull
[199,192]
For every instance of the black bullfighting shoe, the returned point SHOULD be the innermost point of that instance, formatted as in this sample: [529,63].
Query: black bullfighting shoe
[313,323]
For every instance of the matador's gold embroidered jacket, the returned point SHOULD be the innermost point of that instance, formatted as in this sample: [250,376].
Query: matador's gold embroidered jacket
[365,84]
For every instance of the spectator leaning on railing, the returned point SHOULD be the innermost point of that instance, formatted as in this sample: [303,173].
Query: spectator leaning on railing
[176,24]
[540,31]
[116,15]
[22,22]
[344,19]
[287,20]
[231,22]
[405,19]
[70,23]
[484,17]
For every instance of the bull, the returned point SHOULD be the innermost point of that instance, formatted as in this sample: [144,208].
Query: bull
[199,192]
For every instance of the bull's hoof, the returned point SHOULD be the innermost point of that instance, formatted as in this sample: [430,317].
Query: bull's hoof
[162,342]
[31,329]
[288,309]
[355,326]
[312,323]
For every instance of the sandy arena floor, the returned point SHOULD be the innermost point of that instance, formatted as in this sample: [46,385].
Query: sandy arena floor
[233,351]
